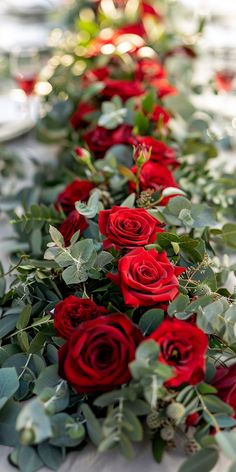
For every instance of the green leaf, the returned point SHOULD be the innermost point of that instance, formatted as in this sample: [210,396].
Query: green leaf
[108,398]
[158,447]
[147,349]
[51,456]
[165,239]
[177,204]
[7,324]
[125,447]
[150,320]
[204,461]
[37,342]
[179,304]
[93,426]
[23,341]
[205,388]
[83,250]
[55,399]
[138,407]
[48,378]
[91,208]
[104,258]
[229,234]
[8,416]
[24,317]
[141,122]
[135,433]
[9,384]
[129,201]
[215,405]
[222,420]
[34,413]
[28,459]
[36,241]
[108,443]
[148,102]
[64,427]
[56,236]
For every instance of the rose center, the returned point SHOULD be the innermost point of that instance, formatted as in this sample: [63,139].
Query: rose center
[104,356]
[175,355]
[146,271]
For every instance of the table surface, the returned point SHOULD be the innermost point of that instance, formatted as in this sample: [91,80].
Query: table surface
[88,460]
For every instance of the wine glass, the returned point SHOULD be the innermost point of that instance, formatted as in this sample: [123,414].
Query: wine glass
[224,78]
[25,67]
[224,71]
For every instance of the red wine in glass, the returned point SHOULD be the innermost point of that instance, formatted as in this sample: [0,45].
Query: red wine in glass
[26,82]
[224,80]
[25,67]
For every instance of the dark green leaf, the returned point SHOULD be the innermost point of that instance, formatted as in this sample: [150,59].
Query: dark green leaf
[28,459]
[93,426]
[150,320]
[9,384]
[158,448]
[204,461]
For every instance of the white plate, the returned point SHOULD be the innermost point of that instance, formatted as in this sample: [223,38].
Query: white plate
[16,116]
[216,104]
[31,7]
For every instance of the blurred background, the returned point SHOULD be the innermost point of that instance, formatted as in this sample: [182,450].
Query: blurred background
[32,30]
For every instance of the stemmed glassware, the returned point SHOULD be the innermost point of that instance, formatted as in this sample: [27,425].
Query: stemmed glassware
[224,71]
[24,68]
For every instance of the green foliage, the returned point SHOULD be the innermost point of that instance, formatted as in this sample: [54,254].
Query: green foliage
[92,207]
[9,384]
[150,373]
[203,460]
[37,217]
[181,212]
[150,320]
[113,113]
[53,417]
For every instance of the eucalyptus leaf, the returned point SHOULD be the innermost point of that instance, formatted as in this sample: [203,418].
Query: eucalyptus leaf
[204,461]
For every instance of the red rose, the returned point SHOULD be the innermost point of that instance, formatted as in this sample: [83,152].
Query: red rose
[72,311]
[163,87]
[146,278]
[123,88]
[74,222]
[97,356]
[133,29]
[161,153]
[225,382]
[183,346]
[78,118]
[148,69]
[77,190]
[154,176]
[96,75]
[159,114]
[128,227]
[147,9]
[100,139]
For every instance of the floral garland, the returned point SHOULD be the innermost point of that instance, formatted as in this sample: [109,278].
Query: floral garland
[118,323]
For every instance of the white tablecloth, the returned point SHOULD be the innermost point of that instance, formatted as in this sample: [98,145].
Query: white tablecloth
[88,460]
